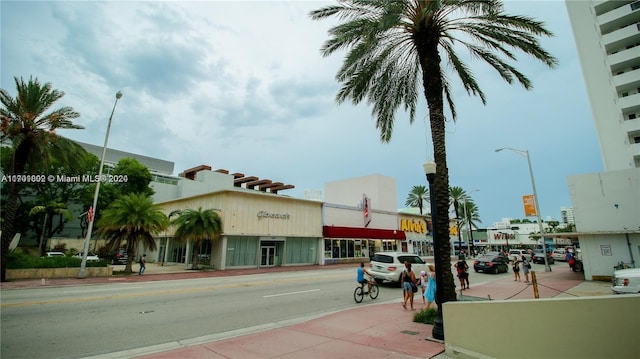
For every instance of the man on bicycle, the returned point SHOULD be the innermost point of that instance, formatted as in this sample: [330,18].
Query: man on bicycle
[361,279]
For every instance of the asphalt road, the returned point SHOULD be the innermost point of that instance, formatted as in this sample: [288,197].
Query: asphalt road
[89,320]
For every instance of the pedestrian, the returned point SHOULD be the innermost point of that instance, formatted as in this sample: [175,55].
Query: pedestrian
[525,268]
[143,264]
[569,258]
[408,280]
[516,269]
[463,275]
[424,282]
[430,293]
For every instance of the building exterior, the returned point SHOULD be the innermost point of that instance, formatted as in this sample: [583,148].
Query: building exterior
[360,218]
[566,216]
[607,35]
[606,206]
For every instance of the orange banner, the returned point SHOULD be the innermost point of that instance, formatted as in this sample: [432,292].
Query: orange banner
[529,203]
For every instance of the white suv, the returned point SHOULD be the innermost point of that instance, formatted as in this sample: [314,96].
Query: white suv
[389,265]
[626,281]
[520,253]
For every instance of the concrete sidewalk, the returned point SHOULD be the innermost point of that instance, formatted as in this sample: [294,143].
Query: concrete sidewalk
[372,330]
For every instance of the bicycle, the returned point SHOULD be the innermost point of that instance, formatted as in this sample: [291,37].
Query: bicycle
[359,292]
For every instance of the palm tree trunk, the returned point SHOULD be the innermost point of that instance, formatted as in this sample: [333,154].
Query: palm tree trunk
[432,81]
[194,258]
[8,229]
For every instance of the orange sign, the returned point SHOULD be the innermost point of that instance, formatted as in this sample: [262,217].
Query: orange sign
[529,203]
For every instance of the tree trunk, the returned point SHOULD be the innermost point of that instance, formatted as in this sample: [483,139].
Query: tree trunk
[194,259]
[8,229]
[433,90]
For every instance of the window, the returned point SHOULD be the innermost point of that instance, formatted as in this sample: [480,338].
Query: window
[635,5]
[632,116]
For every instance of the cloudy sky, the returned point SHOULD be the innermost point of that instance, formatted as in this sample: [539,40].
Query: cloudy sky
[241,85]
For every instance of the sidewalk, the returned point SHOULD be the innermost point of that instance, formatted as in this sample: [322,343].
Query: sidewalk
[382,330]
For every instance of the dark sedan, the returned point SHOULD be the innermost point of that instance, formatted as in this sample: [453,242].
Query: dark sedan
[538,258]
[491,264]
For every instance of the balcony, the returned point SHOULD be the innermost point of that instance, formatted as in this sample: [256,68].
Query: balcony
[614,19]
[624,58]
[630,103]
[627,80]
[621,38]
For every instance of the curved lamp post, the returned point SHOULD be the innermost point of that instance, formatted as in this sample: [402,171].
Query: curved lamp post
[93,209]
[525,153]
[430,172]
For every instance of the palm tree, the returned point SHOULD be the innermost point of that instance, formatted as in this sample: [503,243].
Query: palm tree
[471,216]
[53,208]
[132,219]
[31,131]
[393,47]
[418,197]
[197,226]
[457,195]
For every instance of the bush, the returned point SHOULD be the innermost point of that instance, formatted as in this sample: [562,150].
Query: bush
[17,260]
[426,316]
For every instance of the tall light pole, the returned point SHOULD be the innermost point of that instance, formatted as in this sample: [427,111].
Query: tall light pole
[468,221]
[93,209]
[430,172]
[525,153]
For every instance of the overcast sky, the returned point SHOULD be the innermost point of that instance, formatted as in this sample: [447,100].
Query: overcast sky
[242,86]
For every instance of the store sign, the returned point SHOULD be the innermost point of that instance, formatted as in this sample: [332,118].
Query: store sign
[265,214]
[410,225]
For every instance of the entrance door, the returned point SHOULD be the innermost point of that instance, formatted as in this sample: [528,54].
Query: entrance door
[267,257]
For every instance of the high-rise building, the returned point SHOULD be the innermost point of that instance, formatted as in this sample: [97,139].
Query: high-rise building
[606,205]
[607,35]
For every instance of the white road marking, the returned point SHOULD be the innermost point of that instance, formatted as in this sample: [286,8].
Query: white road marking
[291,293]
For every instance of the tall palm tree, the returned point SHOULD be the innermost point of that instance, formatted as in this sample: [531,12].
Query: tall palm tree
[471,216]
[31,131]
[393,47]
[197,226]
[132,219]
[418,197]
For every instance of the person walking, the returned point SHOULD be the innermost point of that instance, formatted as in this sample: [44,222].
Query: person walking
[408,280]
[423,285]
[463,273]
[143,264]
[516,269]
[525,268]
[430,293]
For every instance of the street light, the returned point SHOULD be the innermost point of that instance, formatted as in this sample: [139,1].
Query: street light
[525,153]
[93,209]
[468,220]
[430,172]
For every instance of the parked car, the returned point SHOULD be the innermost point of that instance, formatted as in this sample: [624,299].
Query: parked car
[389,265]
[120,257]
[520,253]
[626,281]
[90,257]
[559,254]
[54,254]
[538,258]
[495,264]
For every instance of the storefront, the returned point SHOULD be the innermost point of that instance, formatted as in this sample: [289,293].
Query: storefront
[355,245]
[259,230]
[416,228]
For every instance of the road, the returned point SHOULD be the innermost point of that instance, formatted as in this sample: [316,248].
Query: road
[89,320]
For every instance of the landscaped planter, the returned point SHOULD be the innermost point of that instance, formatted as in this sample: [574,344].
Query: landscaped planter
[37,273]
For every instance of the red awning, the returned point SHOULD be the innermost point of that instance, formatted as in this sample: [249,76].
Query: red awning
[364,233]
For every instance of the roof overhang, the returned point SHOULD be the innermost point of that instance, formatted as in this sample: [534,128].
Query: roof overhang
[364,233]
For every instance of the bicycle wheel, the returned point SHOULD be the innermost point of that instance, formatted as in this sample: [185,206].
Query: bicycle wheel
[374,291]
[358,294]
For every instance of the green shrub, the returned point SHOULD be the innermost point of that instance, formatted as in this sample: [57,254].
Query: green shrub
[18,260]
[426,316]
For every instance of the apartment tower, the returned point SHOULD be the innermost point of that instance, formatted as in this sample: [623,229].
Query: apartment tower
[607,35]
